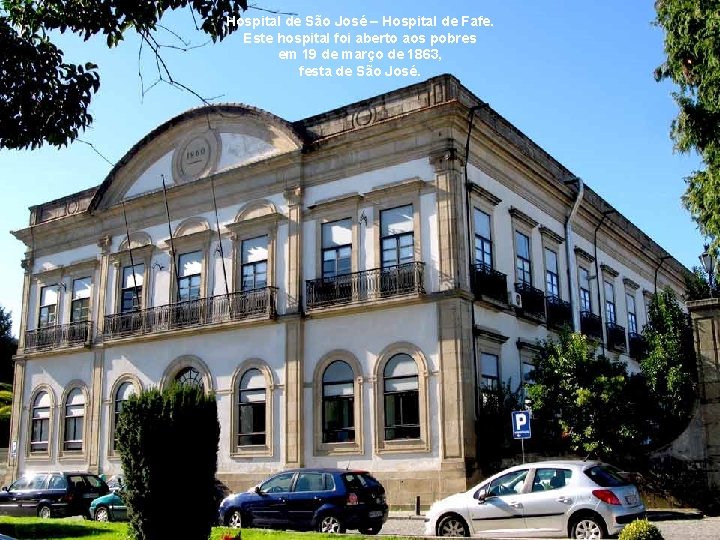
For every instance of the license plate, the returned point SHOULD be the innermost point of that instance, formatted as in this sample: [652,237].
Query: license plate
[632,499]
[375,514]
[90,495]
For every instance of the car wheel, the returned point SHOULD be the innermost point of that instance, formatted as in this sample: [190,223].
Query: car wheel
[588,528]
[44,511]
[234,519]
[102,514]
[330,523]
[370,530]
[453,525]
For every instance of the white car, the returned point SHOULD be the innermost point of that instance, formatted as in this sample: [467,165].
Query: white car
[551,499]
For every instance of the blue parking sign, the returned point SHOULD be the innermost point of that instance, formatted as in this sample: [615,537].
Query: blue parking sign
[521,424]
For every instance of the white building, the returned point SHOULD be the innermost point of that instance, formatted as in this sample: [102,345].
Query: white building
[368,274]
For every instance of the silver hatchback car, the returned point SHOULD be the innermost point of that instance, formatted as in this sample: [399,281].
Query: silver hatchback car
[549,499]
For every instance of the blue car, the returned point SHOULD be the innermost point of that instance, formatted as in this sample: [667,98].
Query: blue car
[325,500]
[109,507]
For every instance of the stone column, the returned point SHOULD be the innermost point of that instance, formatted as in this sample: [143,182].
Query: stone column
[27,266]
[706,327]
[17,443]
[96,400]
[104,244]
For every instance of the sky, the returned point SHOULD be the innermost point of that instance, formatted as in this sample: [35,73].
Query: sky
[576,76]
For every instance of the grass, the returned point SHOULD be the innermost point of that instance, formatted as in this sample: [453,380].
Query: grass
[71,529]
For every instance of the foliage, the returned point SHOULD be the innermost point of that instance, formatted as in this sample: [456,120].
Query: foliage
[583,399]
[692,48]
[8,348]
[697,286]
[640,529]
[669,366]
[496,405]
[168,445]
[44,99]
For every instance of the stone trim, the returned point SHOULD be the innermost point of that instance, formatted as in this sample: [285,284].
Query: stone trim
[551,235]
[396,189]
[630,284]
[443,160]
[610,271]
[41,456]
[84,452]
[348,200]
[483,193]
[488,334]
[521,216]
[110,406]
[264,450]
[581,253]
[121,260]
[185,361]
[524,344]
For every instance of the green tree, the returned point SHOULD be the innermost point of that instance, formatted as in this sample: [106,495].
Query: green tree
[168,444]
[669,366]
[496,406]
[8,348]
[44,99]
[692,47]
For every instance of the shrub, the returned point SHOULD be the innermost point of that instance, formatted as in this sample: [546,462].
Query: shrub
[168,445]
[641,529]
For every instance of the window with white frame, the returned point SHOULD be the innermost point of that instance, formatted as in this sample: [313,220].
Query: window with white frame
[338,407]
[131,287]
[254,263]
[189,276]
[40,423]
[122,394]
[585,297]
[336,248]
[552,279]
[631,313]
[483,239]
[48,307]
[610,302]
[80,305]
[397,237]
[74,420]
[489,371]
[251,408]
[523,264]
[402,398]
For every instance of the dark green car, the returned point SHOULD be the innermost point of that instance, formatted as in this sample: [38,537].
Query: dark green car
[109,507]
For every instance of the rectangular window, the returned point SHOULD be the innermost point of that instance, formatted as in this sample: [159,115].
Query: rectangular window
[522,258]
[483,239]
[48,307]
[79,310]
[489,371]
[585,298]
[131,287]
[610,302]
[336,248]
[632,316]
[552,280]
[254,263]
[189,276]
[396,236]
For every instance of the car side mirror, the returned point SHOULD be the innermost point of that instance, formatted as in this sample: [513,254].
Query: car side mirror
[259,491]
[481,496]
[5,488]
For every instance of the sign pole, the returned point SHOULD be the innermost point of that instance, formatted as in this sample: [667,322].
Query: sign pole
[522,444]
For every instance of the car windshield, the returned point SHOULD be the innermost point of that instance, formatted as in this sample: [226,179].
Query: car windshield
[606,476]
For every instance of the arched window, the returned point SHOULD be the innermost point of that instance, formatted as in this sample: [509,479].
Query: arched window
[251,408]
[338,403]
[402,400]
[122,394]
[190,376]
[40,430]
[74,420]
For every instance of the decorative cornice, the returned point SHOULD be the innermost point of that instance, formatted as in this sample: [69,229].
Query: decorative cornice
[523,217]
[293,195]
[630,284]
[444,160]
[105,243]
[483,193]
[580,252]
[551,235]
[647,294]
[347,198]
[525,344]
[609,270]
[410,185]
[489,334]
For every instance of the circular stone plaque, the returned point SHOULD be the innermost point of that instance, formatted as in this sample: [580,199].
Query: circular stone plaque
[196,157]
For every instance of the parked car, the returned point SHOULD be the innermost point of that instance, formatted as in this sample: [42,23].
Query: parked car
[325,500]
[51,494]
[579,499]
[110,507]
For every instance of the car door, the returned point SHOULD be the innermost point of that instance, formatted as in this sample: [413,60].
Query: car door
[268,507]
[310,491]
[29,498]
[497,507]
[548,501]
[9,497]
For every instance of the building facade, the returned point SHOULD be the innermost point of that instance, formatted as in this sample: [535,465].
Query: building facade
[345,284]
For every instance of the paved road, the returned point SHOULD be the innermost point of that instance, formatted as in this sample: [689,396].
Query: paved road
[684,529]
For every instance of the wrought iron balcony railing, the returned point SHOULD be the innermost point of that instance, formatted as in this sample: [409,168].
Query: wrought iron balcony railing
[488,282]
[257,303]
[60,336]
[638,345]
[615,337]
[366,285]
[591,325]
[533,300]
[559,312]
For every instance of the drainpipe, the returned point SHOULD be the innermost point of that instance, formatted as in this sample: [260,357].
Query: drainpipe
[569,253]
[605,214]
[657,269]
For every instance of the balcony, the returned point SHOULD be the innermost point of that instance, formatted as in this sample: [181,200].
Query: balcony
[615,337]
[404,279]
[255,304]
[559,312]
[58,337]
[638,345]
[533,301]
[489,283]
[591,325]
